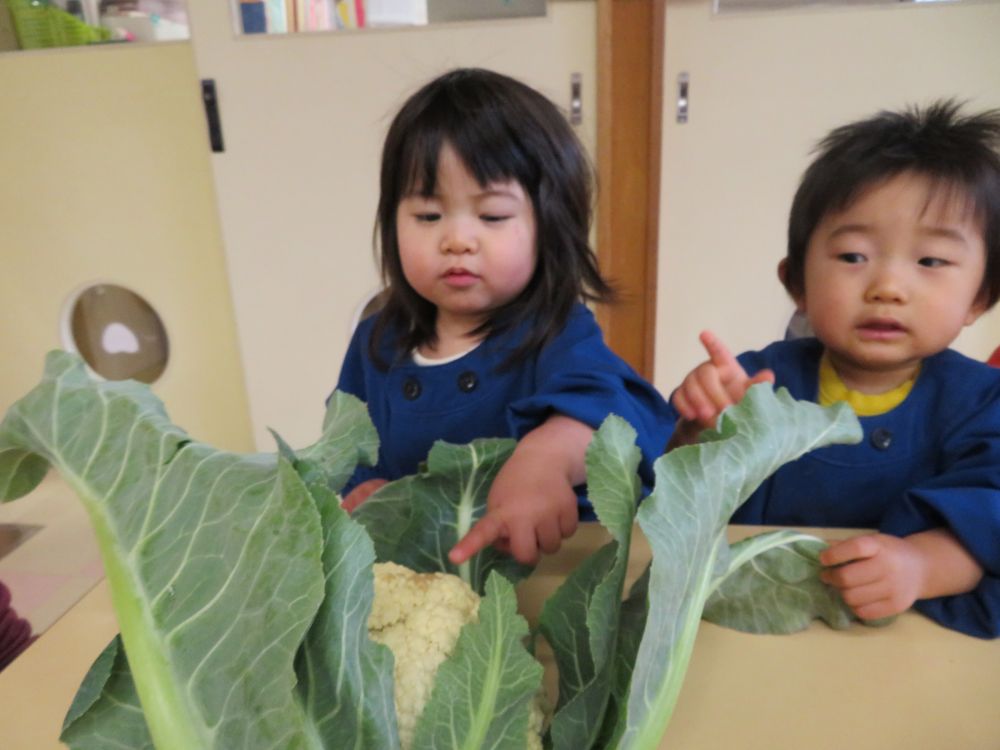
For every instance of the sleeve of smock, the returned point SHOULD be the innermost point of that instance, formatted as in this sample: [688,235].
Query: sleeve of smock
[578,376]
[352,380]
[352,371]
[965,498]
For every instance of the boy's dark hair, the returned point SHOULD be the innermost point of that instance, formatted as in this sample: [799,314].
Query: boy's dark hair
[501,129]
[957,153]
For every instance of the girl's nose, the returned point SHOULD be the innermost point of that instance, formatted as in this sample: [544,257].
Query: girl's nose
[459,237]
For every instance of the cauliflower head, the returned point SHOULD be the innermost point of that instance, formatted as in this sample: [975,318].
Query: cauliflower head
[419,617]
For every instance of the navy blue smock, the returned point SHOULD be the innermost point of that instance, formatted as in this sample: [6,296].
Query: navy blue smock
[575,375]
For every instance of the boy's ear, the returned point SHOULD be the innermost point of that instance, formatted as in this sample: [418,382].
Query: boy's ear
[979,306]
[798,299]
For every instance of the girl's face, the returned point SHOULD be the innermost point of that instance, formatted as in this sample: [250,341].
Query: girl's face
[468,248]
[893,279]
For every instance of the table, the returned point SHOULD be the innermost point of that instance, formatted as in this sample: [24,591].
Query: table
[912,685]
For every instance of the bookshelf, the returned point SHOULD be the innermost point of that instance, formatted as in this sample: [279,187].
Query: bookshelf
[292,16]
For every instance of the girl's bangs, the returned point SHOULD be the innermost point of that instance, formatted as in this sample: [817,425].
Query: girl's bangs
[490,154]
[418,163]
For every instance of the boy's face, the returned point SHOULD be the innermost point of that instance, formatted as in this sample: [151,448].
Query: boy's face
[893,279]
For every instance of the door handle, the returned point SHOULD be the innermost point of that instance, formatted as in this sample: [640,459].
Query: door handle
[211,101]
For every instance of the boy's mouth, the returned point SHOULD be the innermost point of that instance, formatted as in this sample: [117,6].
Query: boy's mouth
[881,328]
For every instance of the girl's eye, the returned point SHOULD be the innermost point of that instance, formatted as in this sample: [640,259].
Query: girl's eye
[493,218]
[851,257]
[933,262]
[427,217]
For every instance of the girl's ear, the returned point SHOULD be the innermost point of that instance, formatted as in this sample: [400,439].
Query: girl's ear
[798,299]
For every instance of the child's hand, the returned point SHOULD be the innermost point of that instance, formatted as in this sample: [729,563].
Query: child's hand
[879,575]
[532,505]
[530,510]
[361,493]
[713,385]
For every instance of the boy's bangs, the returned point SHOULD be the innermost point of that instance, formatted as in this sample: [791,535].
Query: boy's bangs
[952,193]
[944,192]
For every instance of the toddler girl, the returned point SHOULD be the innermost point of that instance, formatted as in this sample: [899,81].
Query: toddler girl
[483,224]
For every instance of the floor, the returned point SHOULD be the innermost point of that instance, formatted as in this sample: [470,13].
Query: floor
[48,555]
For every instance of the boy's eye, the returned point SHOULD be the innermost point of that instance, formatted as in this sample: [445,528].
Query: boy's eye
[851,257]
[933,262]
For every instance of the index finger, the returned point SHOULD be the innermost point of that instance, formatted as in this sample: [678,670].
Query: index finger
[855,548]
[718,353]
[487,530]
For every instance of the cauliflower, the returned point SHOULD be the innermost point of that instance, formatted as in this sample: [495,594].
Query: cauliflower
[419,616]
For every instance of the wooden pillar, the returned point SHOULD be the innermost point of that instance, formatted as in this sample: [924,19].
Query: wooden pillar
[630,104]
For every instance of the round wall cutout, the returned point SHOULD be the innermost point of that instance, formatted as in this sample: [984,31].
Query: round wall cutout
[118,334]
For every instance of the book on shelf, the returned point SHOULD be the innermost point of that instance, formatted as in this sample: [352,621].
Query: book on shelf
[282,16]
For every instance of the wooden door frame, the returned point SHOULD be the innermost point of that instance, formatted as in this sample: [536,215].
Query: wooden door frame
[630,39]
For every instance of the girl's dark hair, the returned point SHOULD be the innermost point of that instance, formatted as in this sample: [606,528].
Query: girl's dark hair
[501,129]
[959,154]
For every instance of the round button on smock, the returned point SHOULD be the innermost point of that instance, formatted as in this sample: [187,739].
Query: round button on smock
[467,381]
[411,389]
[881,438]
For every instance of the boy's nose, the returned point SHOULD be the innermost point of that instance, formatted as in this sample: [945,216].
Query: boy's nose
[885,286]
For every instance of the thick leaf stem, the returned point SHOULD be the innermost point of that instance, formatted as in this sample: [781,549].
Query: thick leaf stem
[650,733]
[171,720]
[487,707]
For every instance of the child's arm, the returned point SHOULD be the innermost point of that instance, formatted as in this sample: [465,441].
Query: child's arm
[709,388]
[880,575]
[532,506]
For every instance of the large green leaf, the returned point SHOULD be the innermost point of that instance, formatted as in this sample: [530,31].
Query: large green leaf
[106,712]
[773,586]
[213,558]
[345,679]
[348,438]
[483,691]
[631,624]
[580,620]
[416,520]
[697,490]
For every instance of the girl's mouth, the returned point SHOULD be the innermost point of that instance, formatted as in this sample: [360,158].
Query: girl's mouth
[459,277]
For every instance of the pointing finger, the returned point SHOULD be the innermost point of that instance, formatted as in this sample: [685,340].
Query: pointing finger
[718,353]
[486,531]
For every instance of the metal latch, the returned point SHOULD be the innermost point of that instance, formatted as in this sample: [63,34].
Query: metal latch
[683,81]
[575,99]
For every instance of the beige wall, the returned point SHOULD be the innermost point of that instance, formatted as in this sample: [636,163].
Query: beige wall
[765,87]
[106,177]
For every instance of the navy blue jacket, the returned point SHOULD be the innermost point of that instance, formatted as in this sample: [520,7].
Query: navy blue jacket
[575,375]
[933,461]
